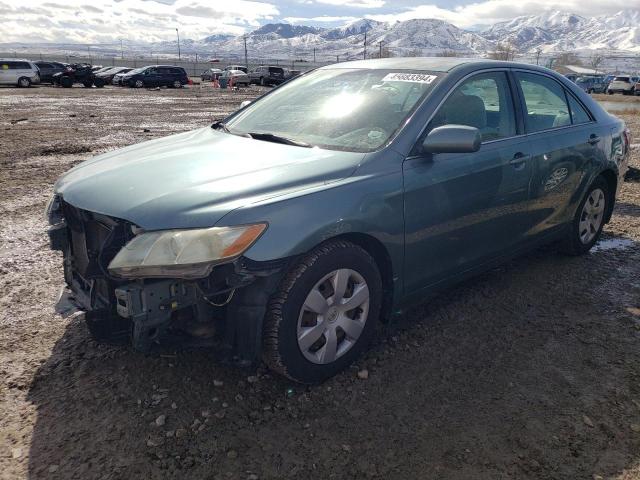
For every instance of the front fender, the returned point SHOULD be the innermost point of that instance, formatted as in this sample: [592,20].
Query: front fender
[367,204]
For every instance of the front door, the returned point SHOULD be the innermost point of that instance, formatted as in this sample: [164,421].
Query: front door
[462,209]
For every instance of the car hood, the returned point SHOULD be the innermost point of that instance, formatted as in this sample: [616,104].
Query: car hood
[194,178]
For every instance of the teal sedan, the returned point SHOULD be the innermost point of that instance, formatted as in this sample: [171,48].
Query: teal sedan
[288,230]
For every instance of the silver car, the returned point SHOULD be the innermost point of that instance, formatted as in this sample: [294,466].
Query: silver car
[623,84]
[19,72]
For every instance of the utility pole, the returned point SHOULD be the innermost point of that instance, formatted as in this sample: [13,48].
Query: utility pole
[121,51]
[538,52]
[364,54]
[178,34]
[89,52]
[380,45]
[246,60]
[337,58]
[314,54]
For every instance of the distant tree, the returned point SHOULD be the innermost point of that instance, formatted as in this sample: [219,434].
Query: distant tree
[568,58]
[503,51]
[386,53]
[416,52]
[448,53]
[595,61]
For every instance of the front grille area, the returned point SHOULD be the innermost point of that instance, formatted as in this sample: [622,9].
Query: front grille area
[94,240]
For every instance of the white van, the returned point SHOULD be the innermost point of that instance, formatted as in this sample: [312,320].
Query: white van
[18,72]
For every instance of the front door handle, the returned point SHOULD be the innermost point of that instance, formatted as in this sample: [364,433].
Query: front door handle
[519,160]
[593,139]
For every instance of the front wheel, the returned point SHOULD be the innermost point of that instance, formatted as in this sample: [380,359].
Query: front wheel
[588,222]
[24,82]
[324,314]
[98,82]
[138,84]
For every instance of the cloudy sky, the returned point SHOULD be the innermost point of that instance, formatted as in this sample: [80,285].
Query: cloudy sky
[88,21]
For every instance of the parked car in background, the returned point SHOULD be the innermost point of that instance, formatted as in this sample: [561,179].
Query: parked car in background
[117,78]
[291,74]
[239,77]
[156,76]
[49,69]
[22,73]
[210,73]
[297,223]
[591,84]
[107,75]
[624,84]
[636,88]
[97,68]
[267,75]
[77,73]
[242,68]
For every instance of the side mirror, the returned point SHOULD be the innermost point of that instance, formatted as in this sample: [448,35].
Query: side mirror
[452,139]
[245,103]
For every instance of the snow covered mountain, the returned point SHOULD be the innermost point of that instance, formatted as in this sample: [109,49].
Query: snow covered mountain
[559,31]
[551,31]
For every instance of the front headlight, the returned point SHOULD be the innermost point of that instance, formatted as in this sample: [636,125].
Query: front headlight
[183,253]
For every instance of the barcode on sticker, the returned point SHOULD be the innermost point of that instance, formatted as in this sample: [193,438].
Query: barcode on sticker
[409,77]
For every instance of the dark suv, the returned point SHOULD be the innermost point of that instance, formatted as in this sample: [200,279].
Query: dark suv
[156,76]
[49,69]
[266,75]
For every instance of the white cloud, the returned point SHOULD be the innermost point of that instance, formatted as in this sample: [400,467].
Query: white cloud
[84,21]
[354,3]
[321,19]
[491,11]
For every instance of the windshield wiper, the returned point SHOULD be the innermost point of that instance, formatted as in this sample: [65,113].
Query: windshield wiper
[271,137]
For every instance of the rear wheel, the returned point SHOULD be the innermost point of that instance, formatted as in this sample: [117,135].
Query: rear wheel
[324,313]
[66,82]
[98,82]
[588,223]
[88,84]
[177,84]
[262,82]
[24,82]
[138,84]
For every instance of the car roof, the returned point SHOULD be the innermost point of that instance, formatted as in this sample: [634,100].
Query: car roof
[434,64]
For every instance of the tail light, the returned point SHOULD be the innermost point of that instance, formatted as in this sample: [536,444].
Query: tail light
[190,82]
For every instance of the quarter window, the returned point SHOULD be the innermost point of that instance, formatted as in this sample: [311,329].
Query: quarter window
[578,113]
[545,102]
[483,101]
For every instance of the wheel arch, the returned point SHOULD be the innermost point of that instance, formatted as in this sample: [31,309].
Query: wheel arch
[612,182]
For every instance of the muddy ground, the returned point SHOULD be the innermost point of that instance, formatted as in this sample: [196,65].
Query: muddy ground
[529,371]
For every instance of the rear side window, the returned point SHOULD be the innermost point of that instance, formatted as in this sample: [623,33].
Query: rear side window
[621,79]
[545,102]
[483,101]
[275,70]
[578,112]
[44,65]
[15,66]
[178,71]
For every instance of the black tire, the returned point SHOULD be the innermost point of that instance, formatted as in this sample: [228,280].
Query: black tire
[177,84]
[109,329]
[98,82]
[262,82]
[66,82]
[573,245]
[88,84]
[24,82]
[280,343]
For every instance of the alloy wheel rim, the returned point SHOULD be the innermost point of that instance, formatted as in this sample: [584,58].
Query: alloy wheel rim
[139,83]
[177,84]
[591,216]
[333,316]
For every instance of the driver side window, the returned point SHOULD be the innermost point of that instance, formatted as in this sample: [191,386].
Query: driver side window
[483,101]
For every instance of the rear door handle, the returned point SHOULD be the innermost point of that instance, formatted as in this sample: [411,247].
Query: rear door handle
[593,139]
[519,160]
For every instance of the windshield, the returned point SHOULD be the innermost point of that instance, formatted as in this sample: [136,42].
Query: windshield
[341,109]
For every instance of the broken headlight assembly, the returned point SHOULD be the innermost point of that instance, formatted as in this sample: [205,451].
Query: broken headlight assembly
[186,254]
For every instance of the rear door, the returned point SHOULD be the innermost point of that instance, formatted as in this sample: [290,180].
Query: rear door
[463,209]
[565,141]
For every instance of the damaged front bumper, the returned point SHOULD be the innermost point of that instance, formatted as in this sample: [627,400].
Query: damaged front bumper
[231,300]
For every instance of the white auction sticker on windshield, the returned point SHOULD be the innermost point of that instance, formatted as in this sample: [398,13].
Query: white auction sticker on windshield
[409,77]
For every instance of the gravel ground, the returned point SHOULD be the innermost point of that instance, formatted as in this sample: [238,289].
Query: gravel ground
[531,370]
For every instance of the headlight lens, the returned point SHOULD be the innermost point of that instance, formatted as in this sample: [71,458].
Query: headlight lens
[183,253]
